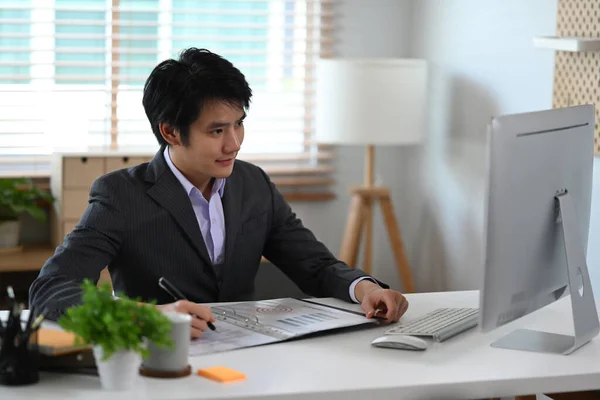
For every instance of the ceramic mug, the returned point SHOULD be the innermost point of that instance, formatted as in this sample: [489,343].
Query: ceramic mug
[175,359]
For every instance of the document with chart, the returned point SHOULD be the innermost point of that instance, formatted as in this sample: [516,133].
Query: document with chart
[261,322]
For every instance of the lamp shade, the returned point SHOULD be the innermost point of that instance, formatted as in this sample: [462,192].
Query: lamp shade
[370,101]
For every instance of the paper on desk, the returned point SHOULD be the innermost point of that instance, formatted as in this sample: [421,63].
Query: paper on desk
[268,321]
[227,337]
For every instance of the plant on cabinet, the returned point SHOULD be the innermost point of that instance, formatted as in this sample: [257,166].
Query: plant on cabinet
[19,196]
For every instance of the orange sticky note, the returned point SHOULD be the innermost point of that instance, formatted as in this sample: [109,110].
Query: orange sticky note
[222,374]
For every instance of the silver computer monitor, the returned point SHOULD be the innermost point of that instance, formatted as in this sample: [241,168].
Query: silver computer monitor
[536,223]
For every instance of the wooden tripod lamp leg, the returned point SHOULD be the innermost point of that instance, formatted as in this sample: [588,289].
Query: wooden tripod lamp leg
[367,202]
[351,241]
[397,245]
[368,232]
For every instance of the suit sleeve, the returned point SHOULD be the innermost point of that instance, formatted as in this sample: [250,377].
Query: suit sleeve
[295,250]
[85,252]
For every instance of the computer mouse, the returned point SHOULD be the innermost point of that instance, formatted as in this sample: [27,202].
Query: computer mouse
[402,342]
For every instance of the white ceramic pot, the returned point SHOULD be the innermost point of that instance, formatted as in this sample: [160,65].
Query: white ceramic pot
[120,371]
[9,234]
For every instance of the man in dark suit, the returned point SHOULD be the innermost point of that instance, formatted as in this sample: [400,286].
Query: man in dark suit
[196,215]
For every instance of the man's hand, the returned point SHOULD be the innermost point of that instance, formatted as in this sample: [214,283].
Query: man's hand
[200,314]
[372,297]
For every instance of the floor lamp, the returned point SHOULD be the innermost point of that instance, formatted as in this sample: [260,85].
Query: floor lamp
[371,102]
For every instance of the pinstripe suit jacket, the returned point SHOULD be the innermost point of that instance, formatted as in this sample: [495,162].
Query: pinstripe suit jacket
[140,222]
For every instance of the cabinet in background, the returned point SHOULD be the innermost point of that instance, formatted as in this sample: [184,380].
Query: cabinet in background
[71,179]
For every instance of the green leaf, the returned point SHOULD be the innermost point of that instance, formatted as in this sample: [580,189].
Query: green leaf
[116,325]
[19,196]
[37,213]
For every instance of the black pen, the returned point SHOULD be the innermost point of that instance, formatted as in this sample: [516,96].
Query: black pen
[177,295]
[32,325]
[30,319]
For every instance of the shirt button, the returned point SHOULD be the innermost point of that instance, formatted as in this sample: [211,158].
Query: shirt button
[212,220]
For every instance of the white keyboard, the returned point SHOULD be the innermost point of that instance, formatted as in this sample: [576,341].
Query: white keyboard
[439,324]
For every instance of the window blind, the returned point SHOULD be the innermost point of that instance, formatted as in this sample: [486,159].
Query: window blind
[72,73]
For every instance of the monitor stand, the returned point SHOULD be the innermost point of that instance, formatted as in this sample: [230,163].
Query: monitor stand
[585,316]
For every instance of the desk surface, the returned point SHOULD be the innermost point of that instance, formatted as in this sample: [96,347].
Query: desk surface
[32,258]
[346,366]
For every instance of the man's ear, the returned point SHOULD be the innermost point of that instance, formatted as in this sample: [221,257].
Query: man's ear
[170,134]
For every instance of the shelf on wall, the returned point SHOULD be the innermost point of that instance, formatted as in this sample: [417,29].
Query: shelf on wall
[567,43]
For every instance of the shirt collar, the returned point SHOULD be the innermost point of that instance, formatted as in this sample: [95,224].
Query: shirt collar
[218,185]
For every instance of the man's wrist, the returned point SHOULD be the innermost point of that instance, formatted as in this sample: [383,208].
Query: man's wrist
[363,288]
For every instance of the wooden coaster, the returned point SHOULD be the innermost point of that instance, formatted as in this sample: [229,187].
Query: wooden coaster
[166,374]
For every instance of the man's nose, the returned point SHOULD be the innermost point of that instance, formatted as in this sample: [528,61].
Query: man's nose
[232,142]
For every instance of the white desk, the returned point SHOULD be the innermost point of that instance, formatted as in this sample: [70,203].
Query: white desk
[345,366]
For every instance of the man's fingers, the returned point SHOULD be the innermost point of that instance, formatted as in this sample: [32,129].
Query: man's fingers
[200,311]
[196,333]
[376,310]
[392,308]
[367,306]
[182,306]
[402,308]
[199,324]
[387,304]
[200,315]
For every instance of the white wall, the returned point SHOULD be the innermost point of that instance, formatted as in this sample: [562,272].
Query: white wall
[373,28]
[483,64]
[377,28]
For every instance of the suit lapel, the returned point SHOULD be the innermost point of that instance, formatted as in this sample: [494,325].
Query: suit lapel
[232,203]
[168,192]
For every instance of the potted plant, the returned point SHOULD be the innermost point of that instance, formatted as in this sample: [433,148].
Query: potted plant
[18,196]
[118,331]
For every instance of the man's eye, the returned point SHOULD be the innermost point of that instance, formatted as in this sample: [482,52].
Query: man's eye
[217,131]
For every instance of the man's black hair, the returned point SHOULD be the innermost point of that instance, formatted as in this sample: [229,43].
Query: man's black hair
[176,90]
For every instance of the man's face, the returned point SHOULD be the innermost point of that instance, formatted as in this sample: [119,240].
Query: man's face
[214,141]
